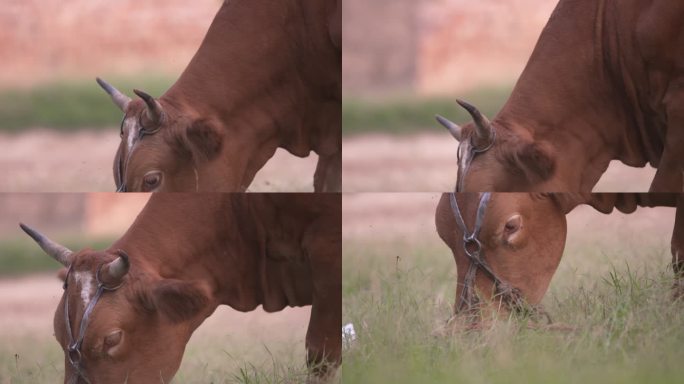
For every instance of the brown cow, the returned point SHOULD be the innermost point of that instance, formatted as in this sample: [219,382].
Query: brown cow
[522,237]
[605,81]
[267,75]
[184,255]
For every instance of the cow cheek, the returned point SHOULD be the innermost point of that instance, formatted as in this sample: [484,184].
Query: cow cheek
[543,268]
[515,242]
[168,354]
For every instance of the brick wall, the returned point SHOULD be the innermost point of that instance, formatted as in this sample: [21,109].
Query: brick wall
[437,46]
[42,39]
[380,41]
[95,214]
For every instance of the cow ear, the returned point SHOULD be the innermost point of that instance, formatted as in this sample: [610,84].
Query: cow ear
[535,159]
[201,141]
[179,300]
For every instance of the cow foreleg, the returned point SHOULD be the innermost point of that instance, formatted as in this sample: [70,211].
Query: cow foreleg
[670,174]
[324,336]
[678,249]
[328,176]
[324,339]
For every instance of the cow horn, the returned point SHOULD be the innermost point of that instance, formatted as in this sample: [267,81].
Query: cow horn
[454,128]
[154,109]
[118,268]
[119,98]
[483,128]
[56,251]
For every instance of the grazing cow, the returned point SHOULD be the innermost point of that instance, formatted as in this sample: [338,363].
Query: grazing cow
[605,81]
[267,75]
[518,240]
[127,312]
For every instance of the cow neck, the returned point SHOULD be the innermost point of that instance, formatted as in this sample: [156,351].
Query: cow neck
[571,96]
[244,75]
[194,241]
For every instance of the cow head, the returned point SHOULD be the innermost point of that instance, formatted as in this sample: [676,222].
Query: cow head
[162,148]
[496,159]
[522,237]
[136,329]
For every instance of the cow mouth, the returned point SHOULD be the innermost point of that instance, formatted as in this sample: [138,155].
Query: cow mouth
[508,301]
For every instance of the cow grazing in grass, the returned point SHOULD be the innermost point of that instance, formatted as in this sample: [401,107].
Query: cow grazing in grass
[127,312]
[604,82]
[267,76]
[522,236]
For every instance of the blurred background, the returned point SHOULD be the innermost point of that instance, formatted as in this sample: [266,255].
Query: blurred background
[58,129]
[229,344]
[406,60]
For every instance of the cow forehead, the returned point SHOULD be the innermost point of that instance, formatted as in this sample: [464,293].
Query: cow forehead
[464,159]
[85,284]
[131,132]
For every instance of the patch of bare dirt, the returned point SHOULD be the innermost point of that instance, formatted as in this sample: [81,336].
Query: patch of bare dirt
[370,216]
[427,162]
[27,305]
[48,161]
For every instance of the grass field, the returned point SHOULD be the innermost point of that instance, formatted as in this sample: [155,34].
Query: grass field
[217,353]
[612,288]
[71,104]
[18,256]
[412,113]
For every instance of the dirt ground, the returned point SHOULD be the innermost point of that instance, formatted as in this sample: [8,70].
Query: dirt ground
[426,162]
[47,161]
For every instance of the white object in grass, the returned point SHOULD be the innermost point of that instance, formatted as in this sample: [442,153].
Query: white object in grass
[348,334]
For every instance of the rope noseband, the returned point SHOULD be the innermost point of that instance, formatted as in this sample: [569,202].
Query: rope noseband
[74,346]
[473,250]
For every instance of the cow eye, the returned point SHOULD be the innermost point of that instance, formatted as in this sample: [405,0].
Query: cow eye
[113,338]
[513,224]
[112,342]
[151,180]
